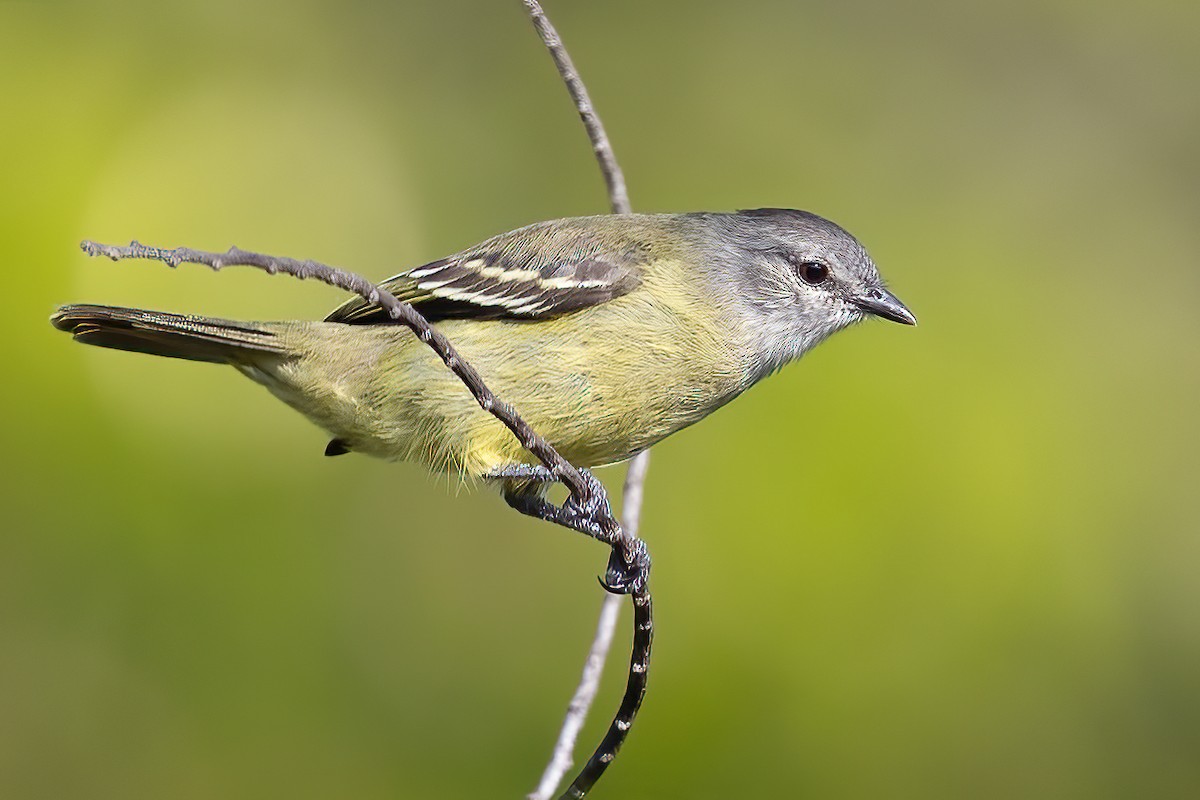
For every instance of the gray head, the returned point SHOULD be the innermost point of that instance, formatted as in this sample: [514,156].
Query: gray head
[802,278]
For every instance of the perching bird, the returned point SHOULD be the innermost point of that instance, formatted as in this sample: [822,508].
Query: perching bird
[606,333]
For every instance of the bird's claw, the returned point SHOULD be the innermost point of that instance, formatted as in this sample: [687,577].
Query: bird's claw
[593,505]
[628,568]
[591,513]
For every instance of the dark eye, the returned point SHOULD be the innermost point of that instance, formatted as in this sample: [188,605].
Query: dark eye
[813,272]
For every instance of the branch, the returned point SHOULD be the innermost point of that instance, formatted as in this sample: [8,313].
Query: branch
[589,682]
[635,477]
[633,492]
[613,177]
[635,690]
[639,658]
[397,310]
[593,667]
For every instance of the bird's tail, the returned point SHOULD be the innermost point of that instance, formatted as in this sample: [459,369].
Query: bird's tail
[218,341]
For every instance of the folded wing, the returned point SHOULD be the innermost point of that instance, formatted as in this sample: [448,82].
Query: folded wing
[540,271]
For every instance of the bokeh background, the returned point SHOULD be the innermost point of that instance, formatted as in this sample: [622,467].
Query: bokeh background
[959,560]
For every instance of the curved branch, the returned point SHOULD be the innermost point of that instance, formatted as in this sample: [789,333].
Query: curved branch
[589,682]
[613,177]
[631,702]
[402,312]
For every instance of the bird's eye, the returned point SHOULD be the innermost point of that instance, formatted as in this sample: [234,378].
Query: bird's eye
[812,272]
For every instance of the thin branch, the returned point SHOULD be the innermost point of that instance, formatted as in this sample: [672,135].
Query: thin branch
[613,177]
[633,492]
[631,702]
[397,310]
[589,682]
[632,495]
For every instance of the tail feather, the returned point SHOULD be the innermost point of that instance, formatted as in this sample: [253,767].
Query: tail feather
[157,333]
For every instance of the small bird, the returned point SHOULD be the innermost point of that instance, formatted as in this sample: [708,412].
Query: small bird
[607,334]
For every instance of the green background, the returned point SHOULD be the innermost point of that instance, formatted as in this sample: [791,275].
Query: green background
[953,561]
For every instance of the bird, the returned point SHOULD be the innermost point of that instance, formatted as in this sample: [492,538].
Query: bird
[607,333]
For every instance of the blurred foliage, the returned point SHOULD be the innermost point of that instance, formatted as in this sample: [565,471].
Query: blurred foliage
[952,561]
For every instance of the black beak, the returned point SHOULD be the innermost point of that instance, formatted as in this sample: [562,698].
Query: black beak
[883,303]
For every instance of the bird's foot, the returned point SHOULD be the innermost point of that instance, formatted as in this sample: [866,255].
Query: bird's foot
[588,513]
[628,568]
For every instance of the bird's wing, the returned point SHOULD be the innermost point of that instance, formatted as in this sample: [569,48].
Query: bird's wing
[539,271]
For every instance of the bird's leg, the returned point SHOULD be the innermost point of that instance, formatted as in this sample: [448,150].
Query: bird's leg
[524,488]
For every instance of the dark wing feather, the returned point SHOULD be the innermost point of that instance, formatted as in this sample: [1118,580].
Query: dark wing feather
[540,271]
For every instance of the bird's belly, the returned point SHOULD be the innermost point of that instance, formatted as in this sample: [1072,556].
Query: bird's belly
[595,393]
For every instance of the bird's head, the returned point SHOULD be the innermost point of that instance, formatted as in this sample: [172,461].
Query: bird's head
[801,277]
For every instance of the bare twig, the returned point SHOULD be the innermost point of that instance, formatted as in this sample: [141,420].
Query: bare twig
[593,667]
[631,701]
[632,494]
[563,758]
[613,177]
[639,658]
[399,311]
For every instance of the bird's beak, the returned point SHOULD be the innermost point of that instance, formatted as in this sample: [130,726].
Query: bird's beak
[883,303]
